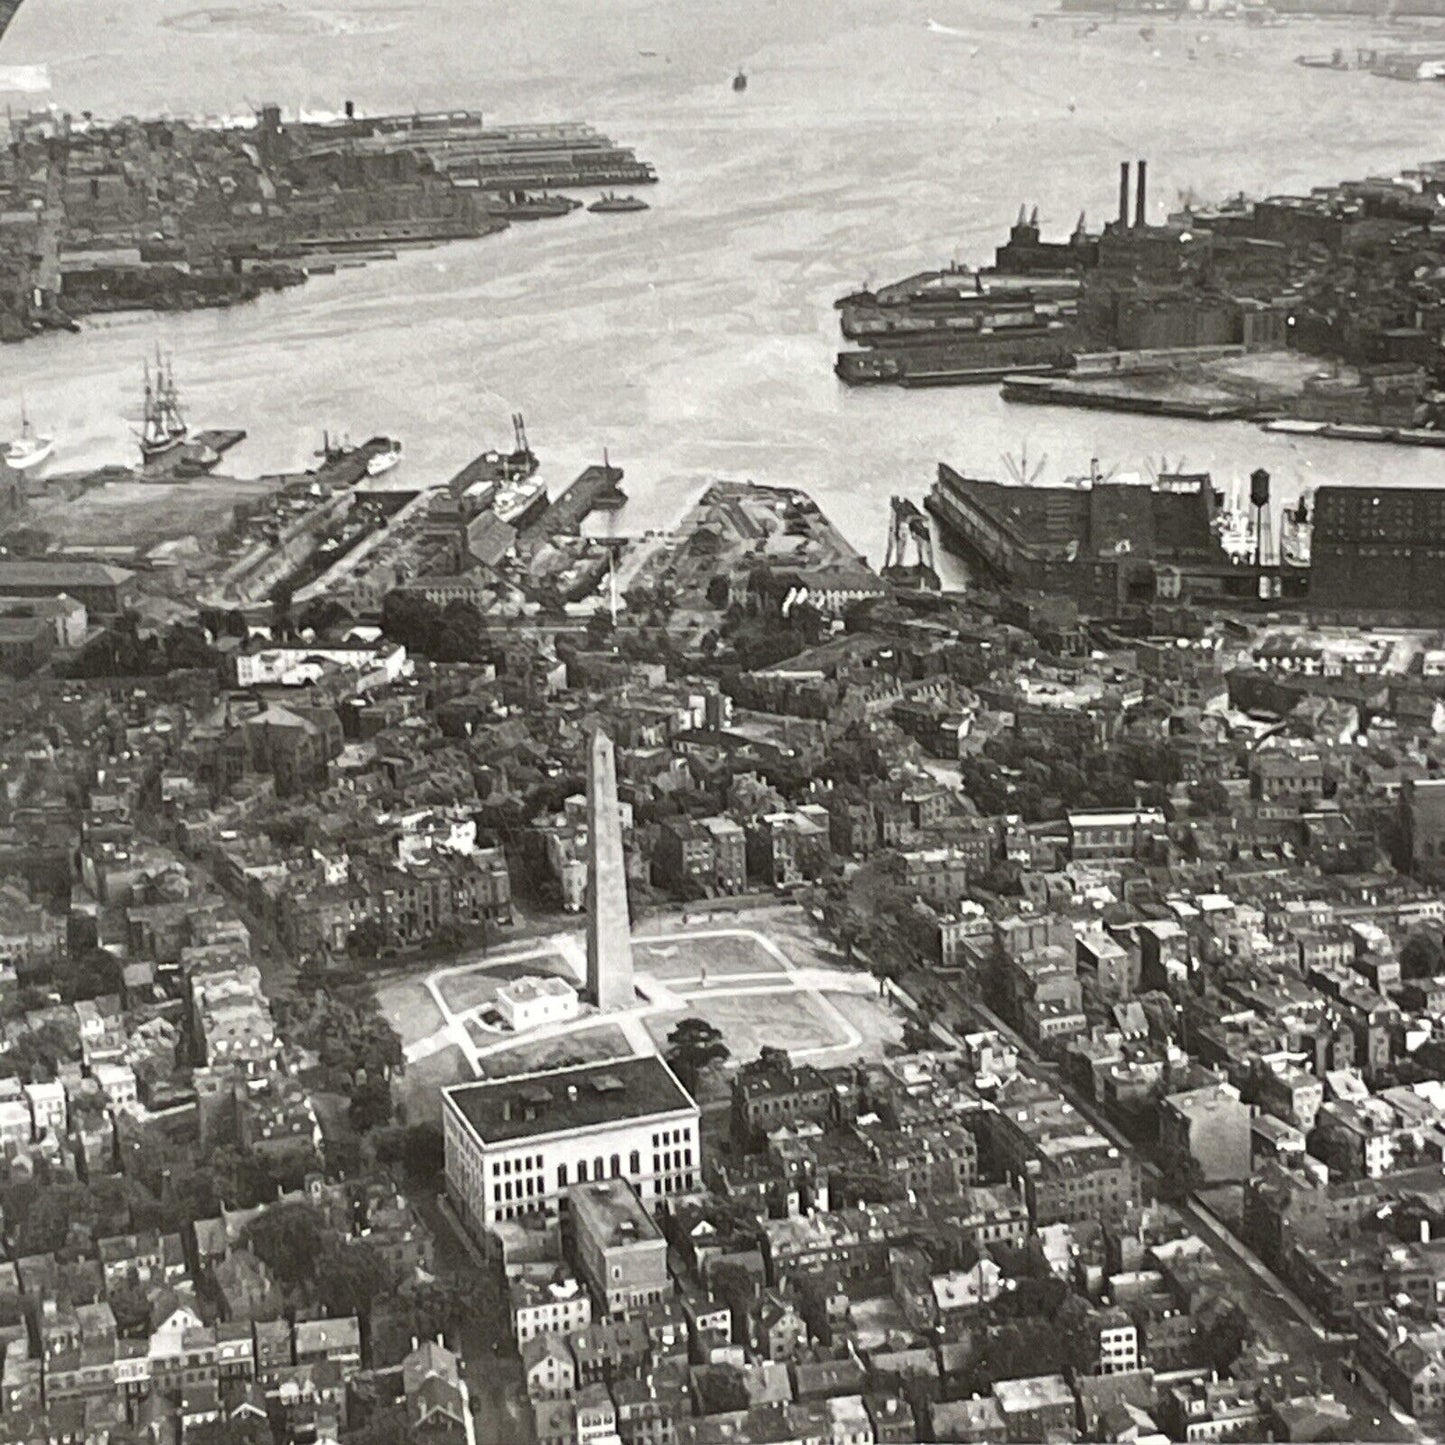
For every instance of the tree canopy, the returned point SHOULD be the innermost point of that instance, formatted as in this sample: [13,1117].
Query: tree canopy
[1421,956]
[692,1046]
[287,1239]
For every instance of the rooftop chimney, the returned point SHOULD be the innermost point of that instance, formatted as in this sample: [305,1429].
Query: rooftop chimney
[1123,195]
[1142,195]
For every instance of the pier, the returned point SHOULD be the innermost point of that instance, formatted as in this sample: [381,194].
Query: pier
[197,457]
[596,490]
[1048,391]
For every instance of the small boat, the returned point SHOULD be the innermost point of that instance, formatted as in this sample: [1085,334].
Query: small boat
[28,449]
[740,81]
[385,459]
[610,204]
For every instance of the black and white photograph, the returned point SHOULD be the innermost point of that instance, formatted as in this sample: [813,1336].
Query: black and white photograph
[722,724]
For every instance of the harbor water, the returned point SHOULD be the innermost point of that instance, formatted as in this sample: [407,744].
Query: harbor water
[696,340]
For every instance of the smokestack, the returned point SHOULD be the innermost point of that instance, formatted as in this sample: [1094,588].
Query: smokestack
[1123,195]
[1142,195]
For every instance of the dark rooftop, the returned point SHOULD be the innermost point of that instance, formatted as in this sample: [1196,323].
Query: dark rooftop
[566,1099]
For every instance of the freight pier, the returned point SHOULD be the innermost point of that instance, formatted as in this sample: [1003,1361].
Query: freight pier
[1173,399]
[596,490]
[1110,541]
[496,158]
[196,457]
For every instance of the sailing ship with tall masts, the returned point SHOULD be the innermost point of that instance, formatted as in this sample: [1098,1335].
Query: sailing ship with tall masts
[163,427]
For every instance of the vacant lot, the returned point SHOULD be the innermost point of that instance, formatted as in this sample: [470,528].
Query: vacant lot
[590,1046]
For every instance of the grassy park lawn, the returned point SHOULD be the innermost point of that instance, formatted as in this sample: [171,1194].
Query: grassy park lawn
[792,1021]
[588,1046]
[685,958]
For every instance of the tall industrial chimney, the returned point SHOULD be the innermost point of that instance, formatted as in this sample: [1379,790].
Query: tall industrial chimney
[1141,198]
[1123,195]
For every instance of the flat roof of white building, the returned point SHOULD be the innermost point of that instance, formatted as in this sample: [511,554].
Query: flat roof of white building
[563,1100]
[519,990]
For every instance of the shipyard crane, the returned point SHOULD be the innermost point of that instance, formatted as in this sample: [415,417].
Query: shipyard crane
[1018,467]
[908,525]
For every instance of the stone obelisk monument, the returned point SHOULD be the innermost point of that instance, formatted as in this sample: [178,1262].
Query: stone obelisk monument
[609,931]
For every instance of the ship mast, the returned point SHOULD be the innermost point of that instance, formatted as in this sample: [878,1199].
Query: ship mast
[174,424]
[150,424]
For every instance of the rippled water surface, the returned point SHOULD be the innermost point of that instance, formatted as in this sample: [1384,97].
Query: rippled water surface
[696,340]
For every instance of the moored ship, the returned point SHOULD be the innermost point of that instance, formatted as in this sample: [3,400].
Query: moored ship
[28,449]
[1295,531]
[163,427]
[1235,528]
[1236,534]
[386,455]
[611,204]
[520,501]
[534,206]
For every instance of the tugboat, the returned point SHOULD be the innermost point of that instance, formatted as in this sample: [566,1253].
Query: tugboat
[740,81]
[521,206]
[163,428]
[27,450]
[610,204]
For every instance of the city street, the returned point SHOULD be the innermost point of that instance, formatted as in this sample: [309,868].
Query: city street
[493,1370]
[1282,1318]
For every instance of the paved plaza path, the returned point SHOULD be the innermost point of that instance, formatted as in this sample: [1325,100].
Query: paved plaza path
[655,996]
